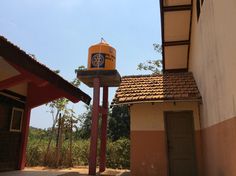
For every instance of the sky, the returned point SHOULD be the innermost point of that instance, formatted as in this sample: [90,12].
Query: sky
[59,33]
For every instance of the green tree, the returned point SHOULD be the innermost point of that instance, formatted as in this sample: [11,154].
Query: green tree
[119,123]
[86,120]
[155,66]
[59,108]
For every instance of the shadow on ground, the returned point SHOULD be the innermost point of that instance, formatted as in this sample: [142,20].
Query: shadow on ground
[72,174]
[31,173]
[103,174]
[55,173]
[126,173]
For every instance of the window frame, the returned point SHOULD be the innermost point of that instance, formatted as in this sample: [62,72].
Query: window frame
[21,120]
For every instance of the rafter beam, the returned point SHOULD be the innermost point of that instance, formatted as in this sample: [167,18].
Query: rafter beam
[12,81]
[176,43]
[40,82]
[177,8]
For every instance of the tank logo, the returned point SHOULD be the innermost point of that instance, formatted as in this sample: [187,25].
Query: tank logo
[98,60]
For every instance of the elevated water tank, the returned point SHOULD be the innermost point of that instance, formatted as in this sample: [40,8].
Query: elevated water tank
[102,56]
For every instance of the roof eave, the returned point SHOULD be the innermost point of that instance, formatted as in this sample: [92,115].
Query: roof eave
[158,101]
[18,57]
[184,42]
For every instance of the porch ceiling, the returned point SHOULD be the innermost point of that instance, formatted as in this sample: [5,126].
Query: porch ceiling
[176,27]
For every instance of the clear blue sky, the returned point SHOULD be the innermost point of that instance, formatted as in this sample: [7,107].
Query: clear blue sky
[59,33]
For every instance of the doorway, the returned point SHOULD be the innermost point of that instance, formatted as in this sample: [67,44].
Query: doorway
[10,133]
[180,143]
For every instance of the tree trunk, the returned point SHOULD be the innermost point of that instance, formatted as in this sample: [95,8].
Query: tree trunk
[50,139]
[70,149]
[59,141]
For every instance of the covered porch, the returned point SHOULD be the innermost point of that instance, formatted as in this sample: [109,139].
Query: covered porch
[25,84]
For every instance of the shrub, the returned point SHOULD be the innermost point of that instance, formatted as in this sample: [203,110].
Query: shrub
[35,152]
[80,152]
[118,153]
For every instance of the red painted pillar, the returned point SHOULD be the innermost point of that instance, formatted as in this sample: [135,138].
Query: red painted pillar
[102,165]
[94,128]
[25,132]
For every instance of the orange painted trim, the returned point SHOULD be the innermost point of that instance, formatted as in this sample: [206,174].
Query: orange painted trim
[199,152]
[219,148]
[148,153]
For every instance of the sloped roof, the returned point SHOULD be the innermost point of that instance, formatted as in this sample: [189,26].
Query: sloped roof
[161,87]
[14,54]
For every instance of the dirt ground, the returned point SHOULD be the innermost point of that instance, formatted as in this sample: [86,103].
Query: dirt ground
[75,171]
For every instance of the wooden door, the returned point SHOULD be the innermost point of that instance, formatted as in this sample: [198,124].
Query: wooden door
[9,141]
[180,143]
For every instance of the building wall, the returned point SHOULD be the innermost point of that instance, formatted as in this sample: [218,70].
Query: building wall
[9,140]
[148,138]
[213,63]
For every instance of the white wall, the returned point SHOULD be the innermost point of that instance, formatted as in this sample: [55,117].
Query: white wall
[213,59]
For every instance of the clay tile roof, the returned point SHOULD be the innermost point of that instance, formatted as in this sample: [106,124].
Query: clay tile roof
[161,87]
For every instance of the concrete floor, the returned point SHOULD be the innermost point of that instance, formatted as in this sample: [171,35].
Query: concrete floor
[32,173]
[66,172]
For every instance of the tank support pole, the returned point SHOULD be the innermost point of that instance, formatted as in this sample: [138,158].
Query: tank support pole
[94,127]
[102,163]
